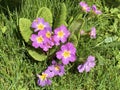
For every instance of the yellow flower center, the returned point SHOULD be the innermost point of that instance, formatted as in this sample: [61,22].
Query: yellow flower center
[40,39]
[57,68]
[84,8]
[43,76]
[48,34]
[66,54]
[60,34]
[40,26]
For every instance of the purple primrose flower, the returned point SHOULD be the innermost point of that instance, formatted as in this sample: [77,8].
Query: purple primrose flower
[39,24]
[55,69]
[94,8]
[48,37]
[90,63]
[67,53]
[42,40]
[84,6]
[43,80]
[61,34]
[37,40]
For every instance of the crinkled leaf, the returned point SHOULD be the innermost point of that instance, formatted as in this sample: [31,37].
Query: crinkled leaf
[61,18]
[37,54]
[24,27]
[45,13]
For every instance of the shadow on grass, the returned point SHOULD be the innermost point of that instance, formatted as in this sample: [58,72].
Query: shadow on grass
[11,4]
[112,3]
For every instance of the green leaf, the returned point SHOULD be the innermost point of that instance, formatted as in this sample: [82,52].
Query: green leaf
[118,59]
[106,9]
[114,10]
[37,54]
[118,64]
[45,13]
[73,39]
[53,50]
[61,18]
[24,25]
[70,20]
[110,39]
[118,56]
[118,16]
[3,29]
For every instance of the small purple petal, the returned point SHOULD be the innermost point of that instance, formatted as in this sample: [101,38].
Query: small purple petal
[84,6]
[87,68]
[65,61]
[50,71]
[81,68]
[93,32]
[34,44]
[91,58]
[33,37]
[54,62]
[94,8]
[59,55]
[82,32]
[73,58]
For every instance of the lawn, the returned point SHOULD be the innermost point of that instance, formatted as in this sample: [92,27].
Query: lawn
[18,69]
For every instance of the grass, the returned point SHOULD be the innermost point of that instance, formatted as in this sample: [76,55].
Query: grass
[18,70]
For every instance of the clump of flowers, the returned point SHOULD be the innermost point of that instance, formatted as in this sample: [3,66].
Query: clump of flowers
[42,37]
[92,33]
[87,8]
[45,38]
[93,9]
[56,69]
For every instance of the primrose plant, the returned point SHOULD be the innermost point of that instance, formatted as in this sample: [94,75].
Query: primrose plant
[58,44]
